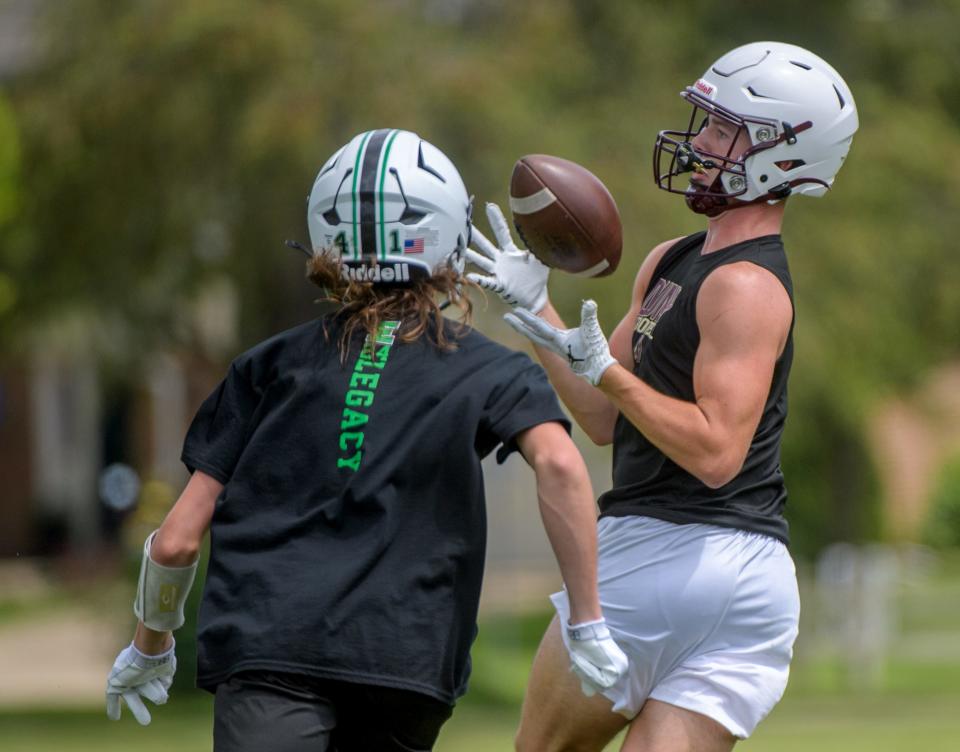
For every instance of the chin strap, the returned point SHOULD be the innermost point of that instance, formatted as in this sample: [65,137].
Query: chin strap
[713,205]
[707,202]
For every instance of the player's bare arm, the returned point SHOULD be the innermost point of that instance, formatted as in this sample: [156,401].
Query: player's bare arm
[145,668]
[744,316]
[181,534]
[590,408]
[177,543]
[568,511]
[570,521]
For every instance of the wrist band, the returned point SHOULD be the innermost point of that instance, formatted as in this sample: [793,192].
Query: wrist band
[162,592]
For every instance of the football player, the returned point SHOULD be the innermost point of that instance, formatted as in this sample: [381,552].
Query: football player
[696,582]
[337,467]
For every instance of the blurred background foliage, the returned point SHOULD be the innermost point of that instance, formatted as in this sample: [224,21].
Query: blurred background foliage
[155,146]
[943,525]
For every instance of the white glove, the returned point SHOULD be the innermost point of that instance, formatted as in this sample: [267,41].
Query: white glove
[595,658]
[585,348]
[515,275]
[135,674]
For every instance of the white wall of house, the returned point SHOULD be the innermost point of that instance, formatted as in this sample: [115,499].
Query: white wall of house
[66,442]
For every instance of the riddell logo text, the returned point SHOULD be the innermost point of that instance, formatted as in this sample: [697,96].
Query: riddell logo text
[377,273]
[704,87]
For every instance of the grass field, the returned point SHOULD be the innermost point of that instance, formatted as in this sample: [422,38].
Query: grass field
[888,723]
[911,703]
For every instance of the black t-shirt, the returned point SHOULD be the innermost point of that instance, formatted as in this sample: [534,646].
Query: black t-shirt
[665,342]
[349,539]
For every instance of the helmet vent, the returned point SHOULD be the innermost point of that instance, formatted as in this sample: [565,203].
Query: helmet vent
[800,65]
[758,96]
[331,215]
[839,97]
[330,167]
[427,168]
[410,215]
[741,61]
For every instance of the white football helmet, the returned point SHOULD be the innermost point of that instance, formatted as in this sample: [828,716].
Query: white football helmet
[392,207]
[799,115]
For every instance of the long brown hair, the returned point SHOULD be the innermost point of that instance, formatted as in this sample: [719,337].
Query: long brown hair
[363,306]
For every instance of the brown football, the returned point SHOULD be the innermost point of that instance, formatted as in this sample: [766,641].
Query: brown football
[565,215]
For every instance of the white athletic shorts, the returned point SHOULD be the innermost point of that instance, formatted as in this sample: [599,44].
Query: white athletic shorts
[707,616]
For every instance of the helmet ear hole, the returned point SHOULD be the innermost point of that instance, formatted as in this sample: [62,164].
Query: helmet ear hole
[789,164]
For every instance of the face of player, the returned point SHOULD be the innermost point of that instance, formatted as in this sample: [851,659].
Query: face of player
[718,138]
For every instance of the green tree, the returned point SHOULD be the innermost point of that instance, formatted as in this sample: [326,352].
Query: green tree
[942,528]
[167,142]
[9,195]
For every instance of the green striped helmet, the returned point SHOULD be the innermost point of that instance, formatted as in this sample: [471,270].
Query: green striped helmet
[392,206]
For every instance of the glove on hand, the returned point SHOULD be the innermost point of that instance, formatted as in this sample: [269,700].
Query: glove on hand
[585,348]
[135,674]
[595,658]
[515,275]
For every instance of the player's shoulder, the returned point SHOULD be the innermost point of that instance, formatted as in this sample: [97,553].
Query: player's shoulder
[758,264]
[661,249]
[474,344]
[752,287]
[672,247]
[741,277]
[293,343]
[653,261]
[480,358]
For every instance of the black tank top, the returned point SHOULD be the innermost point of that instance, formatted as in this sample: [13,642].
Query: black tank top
[665,341]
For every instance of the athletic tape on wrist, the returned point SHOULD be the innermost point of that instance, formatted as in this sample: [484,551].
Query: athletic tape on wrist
[162,592]
[596,629]
[142,660]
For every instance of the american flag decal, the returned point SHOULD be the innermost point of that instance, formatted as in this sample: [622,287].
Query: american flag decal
[413,245]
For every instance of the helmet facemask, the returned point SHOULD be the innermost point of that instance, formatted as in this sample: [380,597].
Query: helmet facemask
[795,112]
[731,180]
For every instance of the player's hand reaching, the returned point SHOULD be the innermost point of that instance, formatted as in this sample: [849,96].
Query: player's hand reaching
[514,274]
[585,348]
[595,658]
[135,675]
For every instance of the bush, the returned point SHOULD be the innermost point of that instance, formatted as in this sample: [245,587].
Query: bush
[942,528]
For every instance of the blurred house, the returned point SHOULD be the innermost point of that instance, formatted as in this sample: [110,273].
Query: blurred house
[65,417]
[68,410]
[913,437]
[17,42]
[16,456]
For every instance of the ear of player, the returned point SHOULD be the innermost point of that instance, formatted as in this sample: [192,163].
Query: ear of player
[585,348]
